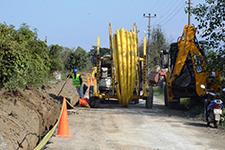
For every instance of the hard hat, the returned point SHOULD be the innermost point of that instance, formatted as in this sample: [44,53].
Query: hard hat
[74,70]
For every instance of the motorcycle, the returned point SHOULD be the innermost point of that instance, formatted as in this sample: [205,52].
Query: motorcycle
[213,108]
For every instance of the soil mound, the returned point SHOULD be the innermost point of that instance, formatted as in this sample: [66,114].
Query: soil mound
[25,117]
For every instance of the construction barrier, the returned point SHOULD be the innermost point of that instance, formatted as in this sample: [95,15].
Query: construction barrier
[63,127]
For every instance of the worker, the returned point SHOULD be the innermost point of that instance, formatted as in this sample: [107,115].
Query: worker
[77,82]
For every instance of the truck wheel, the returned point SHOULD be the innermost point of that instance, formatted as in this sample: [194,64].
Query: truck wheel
[94,102]
[149,100]
[165,94]
[136,101]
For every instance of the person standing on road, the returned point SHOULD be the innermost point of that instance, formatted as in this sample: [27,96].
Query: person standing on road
[77,82]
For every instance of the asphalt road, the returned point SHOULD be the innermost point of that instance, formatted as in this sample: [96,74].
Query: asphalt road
[112,127]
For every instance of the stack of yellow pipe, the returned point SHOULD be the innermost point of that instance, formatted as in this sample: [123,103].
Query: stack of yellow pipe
[124,45]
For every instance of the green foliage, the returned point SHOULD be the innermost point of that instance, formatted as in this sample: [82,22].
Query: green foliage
[26,60]
[157,44]
[215,61]
[23,58]
[39,63]
[63,59]
[79,58]
[56,58]
[93,54]
[67,52]
[158,92]
[211,18]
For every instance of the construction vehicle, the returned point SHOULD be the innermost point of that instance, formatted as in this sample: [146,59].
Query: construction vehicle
[121,73]
[186,68]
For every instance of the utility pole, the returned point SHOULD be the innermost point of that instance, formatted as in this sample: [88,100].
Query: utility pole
[149,90]
[149,17]
[46,39]
[189,12]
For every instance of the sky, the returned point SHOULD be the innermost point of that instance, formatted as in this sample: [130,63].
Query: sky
[73,23]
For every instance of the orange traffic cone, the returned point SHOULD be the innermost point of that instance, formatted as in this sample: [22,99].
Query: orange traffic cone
[63,128]
[83,102]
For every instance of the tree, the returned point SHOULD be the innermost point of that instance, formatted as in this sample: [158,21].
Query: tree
[157,44]
[67,52]
[12,58]
[79,58]
[25,34]
[39,63]
[24,60]
[211,27]
[56,58]
[210,16]
[93,54]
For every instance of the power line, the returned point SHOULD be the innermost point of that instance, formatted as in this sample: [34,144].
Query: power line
[169,13]
[175,13]
[166,4]
[172,16]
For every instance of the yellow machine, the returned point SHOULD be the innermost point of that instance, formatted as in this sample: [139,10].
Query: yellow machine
[121,73]
[214,82]
[186,68]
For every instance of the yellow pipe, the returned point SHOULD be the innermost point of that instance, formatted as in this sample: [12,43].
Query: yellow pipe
[128,65]
[110,44]
[120,58]
[144,67]
[125,61]
[135,55]
[144,46]
[124,64]
[116,65]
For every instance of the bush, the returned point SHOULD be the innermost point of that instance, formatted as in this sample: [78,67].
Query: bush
[56,60]
[24,60]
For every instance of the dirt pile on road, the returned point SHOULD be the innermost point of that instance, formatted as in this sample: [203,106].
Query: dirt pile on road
[25,116]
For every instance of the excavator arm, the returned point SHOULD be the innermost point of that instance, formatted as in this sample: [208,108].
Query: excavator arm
[189,70]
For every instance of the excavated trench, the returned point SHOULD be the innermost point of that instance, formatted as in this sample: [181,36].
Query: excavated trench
[25,117]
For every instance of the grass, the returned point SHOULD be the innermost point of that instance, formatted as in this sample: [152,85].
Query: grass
[158,92]
[186,102]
